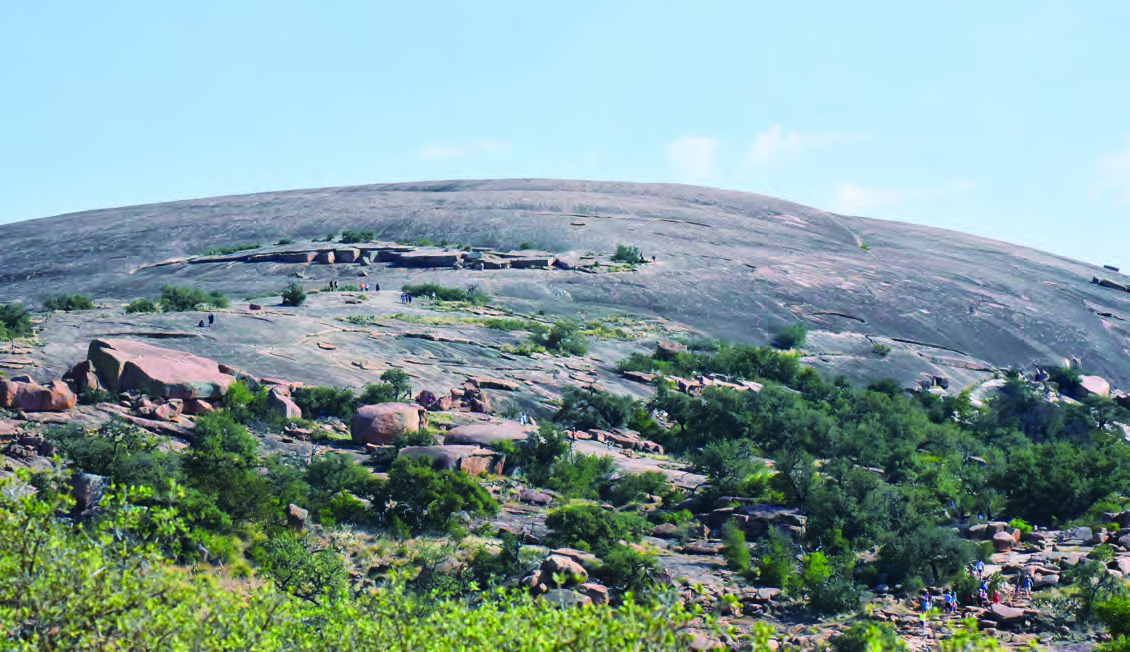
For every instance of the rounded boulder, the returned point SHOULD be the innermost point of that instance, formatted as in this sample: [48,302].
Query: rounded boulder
[381,423]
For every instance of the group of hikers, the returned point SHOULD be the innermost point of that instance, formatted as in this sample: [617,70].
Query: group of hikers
[985,596]
[364,287]
[211,321]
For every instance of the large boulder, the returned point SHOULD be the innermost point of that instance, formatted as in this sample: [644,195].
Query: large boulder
[381,423]
[1003,542]
[571,571]
[128,365]
[27,395]
[485,434]
[471,459]
[1093,386]
[283,405]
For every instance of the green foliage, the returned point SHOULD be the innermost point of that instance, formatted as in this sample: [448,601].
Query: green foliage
[563,338]
[507,324]
[142,306]
[791,336]
[829,587]
[624,569]
[426,500]
[184,299]
[69,303]
[125,454]
[881,350]
[1022,525]
[1066,378]
[246,406]
[222,465]
[627,254]
[735,550]
[293,295]
[364,235]
[15,321]
[868,637]
[319,402]
[471,295]
[636,487]
[776,558]
[586,409]
[106,585]
[580,476]
[1115,614]
[589,527]
[285,241]
[299,567]
[539,452]
[231,249]
[399,381]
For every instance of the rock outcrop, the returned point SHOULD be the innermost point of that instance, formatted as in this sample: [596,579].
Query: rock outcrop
[381,423]
[23,393]
[125,365]
[485,434]
[471,459]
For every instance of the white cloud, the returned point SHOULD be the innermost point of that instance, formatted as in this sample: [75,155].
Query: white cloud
[693,159]
[447,151]
[1113,178]
[851,198]
[776,144]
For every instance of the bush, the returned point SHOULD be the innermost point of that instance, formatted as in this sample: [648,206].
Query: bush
[881,350]
[141,306]
[734,548]
[293,296]
[15,321]
[447,293]
[349,237]
[586,409]
[298,567]
[865,637]
[624,569]
[635,487]
[399,381]
[246,406]
[69,303]
[627,254]
[563,338]
[589,527]
[791,336]
[321,402]
[285,241]
[231,249]
[125,454]
[184,299]
[580,476]
[1022,525]
[426,500]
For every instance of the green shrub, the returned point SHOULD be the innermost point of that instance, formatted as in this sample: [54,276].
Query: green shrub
[426,500]
[627,254]
[293,295]
[300,568]
[776,560]
[471,295]
[320,402]
[734,548]
[526,245]
[246,406]
[589,527]
[285,241]
[586,409]
[123,453]
[635,487]
[1022,525]
[563,338]
[866,637]
[15,321]
[185,299]
[231,249]
[791,336]
[349,237]
[69,303]
[881,350]
[580,476]
[142,306]
[624,569]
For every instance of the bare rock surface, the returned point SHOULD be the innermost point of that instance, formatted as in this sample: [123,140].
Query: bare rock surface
[728,264]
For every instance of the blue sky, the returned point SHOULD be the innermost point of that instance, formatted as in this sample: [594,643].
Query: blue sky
[1009,119]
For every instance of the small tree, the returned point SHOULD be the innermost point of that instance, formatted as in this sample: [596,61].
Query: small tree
[69,303]
[141,306]
[791,336]
[293,296]
[399,380]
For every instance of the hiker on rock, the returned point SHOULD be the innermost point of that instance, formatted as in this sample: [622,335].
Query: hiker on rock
[211,319]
